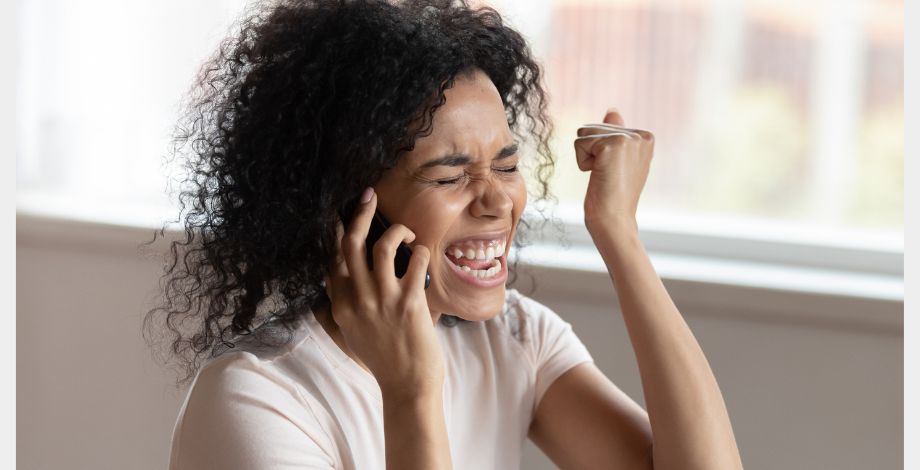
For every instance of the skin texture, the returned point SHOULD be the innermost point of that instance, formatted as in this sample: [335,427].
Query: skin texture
[315,99]
[386,324]
[584,420]
[304,105]
[484,200]
[427,214]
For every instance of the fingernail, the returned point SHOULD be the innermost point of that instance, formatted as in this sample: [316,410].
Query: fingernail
[366,195]
[612,110]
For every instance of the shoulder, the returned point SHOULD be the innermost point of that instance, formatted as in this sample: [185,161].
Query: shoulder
[238,407]
[546,337]
[269,340]
[236,373]
[527,326]
[234,388]
[527,319]
[551,344]
[252,375]
[247,373]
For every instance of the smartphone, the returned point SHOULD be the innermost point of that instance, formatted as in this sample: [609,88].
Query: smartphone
[379,224]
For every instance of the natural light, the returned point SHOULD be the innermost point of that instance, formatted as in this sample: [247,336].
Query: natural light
[775,120]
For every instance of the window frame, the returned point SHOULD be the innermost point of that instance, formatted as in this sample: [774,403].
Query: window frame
[695,248]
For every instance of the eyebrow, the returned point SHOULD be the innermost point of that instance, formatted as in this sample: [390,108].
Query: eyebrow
[460,159]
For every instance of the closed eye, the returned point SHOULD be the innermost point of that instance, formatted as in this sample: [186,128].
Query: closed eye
[450,181]
[509,169]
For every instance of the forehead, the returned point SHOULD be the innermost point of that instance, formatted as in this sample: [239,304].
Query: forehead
[472,120]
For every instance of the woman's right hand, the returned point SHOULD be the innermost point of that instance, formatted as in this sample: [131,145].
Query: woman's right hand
[383,319]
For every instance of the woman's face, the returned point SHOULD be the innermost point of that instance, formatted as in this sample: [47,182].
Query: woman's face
[459,191]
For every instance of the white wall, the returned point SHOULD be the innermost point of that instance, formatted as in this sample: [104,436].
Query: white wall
[810,381]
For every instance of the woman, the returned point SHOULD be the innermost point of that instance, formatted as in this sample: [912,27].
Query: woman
[419,111]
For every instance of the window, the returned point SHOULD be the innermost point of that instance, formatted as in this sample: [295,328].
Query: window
[100,83]
[775,120]
[787,112]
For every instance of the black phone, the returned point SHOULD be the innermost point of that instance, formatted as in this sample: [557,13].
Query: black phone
[379,224]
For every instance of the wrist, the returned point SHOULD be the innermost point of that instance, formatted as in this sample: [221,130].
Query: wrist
[421,417]
[401,405]
[614,226]
[411,396]
[615,238]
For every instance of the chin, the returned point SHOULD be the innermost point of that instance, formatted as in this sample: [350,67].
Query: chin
[481,307]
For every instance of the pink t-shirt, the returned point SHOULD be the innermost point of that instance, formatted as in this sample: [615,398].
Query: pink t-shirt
[309,405]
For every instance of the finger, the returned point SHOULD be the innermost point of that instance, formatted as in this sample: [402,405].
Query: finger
[418,267]
[584,147]
[385,253]
[641,133]
[336,277]
[339,268]
[614,117]
[602,129]
[589,134]
[354,246]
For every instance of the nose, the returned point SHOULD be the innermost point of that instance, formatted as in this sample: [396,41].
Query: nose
[491,200]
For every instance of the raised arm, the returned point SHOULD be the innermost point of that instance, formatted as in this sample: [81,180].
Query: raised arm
[584,421]
[690,424]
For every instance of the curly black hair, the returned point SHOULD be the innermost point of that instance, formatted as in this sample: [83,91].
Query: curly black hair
[303,106]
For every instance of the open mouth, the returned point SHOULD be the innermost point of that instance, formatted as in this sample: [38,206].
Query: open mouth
[480,261]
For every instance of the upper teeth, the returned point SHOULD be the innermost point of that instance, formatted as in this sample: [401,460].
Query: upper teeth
[481,253]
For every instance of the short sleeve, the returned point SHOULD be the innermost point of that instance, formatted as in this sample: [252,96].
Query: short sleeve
[239,415]
[553,344]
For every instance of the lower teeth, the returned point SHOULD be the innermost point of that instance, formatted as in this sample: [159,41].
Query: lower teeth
[484,273]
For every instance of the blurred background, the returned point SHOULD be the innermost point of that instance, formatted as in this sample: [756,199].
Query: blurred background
[773,211]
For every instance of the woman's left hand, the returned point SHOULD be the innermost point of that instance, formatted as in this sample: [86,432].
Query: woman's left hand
[618,159]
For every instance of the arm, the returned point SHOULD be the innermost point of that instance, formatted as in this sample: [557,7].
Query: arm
[414,431]
[584,420]
[690,424]
[386,323]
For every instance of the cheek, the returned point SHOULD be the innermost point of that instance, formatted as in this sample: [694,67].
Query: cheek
[432,217]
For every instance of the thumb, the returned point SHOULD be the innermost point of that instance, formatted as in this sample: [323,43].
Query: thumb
[613,117]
